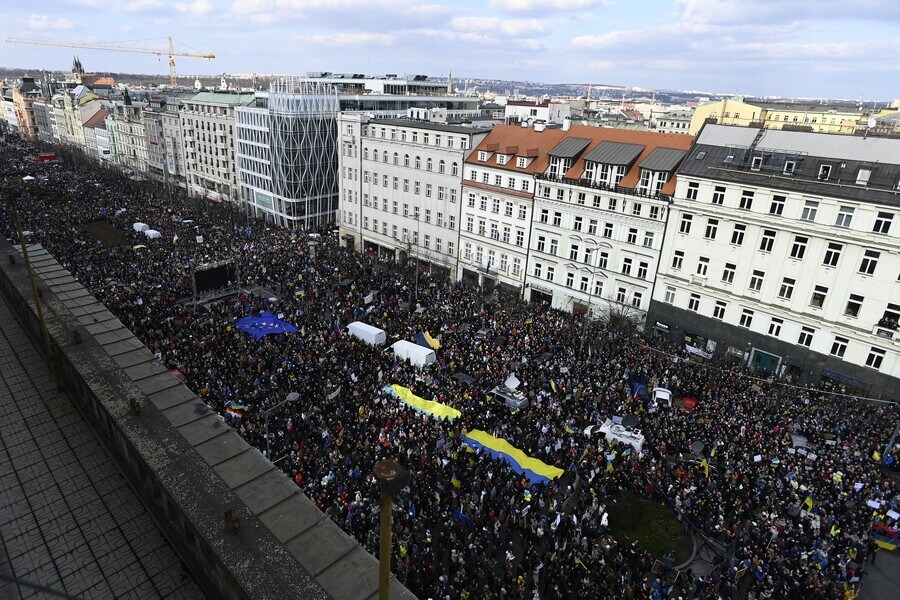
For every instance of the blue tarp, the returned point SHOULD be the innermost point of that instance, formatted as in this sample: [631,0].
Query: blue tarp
[264,324]
[420,340]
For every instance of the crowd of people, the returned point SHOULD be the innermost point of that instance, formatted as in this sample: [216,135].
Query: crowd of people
[791,519]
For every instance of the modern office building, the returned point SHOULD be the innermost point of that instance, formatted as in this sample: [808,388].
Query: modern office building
[400,187]
[782,250]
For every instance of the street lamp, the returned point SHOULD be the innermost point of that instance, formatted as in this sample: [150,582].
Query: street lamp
[587,315]
[292,397]
[392,478]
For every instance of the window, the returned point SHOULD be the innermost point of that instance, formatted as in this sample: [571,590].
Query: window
[719,310]
[612,203]
[636,209]
[498,180]
[818,296]
[876,356]
[756,281]
[580,198]
[845,215]
[853,305]
[545,215]
[787,288]
[417,188]
[642,270]
[712,226]
[508,209]
[621,294]
[607,230]
[869,262]
[862,177]
[810,208]
[570,279]
[694,302]
[523,211]
[602,262]
[506,233]
[798,249]
[718,196]
[418,162]
[670,295]
[775,326]
[550,271]
[452,222]
[806,336]
[702,266]
[501,159]
[728,273]
[626,265]
[557,219]
[541,244]
[685,226]
[576,225]
[832,255]
[777,206]
[746,318]
[520,237]
[790,165]
[767,241]
[746,200]
[573,252]
[883,222]
[632,235]
[693,190]
[824,172]
[470,223]
[521,162]
[504,262]
[678,260]
[554,247]
[592,227]
[517,266]
[839,346]
[648,239]
[482,156]
[427,215]
[454,169]
[654,212]
[442,167]
[495,206]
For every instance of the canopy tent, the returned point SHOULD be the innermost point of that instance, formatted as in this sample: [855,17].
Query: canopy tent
[264,324]
[152,234]
[139,227]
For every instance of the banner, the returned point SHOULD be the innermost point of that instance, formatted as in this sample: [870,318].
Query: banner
[429,407]
[534,470]
[264,324]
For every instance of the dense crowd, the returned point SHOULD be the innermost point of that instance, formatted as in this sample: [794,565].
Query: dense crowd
[790,523]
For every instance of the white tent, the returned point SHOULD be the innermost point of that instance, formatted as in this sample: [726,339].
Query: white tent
[152,234]
[367,333]
[414,353]
[28,178]
[139,227]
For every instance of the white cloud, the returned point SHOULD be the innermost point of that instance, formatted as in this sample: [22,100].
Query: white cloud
[523,6]
[43,22]
[602,65]
[508,27]
[131,6]
[198,8]
[351,38]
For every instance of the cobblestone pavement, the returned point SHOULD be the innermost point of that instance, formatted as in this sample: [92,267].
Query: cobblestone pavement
[70,526]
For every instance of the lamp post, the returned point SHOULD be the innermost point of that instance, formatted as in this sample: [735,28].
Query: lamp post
[292,397]
[587,315]
[392,478]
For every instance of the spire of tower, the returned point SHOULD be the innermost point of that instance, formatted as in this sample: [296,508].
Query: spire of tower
[450,81]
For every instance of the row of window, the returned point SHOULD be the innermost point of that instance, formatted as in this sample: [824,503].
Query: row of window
[612,204]
[622,296]
[495,233]
[410,236]
[415,162]
[809,212]
[497,180]
[427,138]
[443,193]
[450,222]
[838,346]
[502,266]
[496,203]
[522,162]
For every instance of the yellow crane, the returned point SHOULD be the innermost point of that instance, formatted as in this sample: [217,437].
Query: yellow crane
[100,46]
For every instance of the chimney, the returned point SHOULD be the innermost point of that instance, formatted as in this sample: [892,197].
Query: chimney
[540,126]
[567,124]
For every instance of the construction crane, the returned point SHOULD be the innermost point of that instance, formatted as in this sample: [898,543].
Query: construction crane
[100,46]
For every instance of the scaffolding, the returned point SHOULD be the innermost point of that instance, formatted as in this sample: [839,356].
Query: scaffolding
[304,137]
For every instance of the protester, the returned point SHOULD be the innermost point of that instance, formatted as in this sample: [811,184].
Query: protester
[793,520]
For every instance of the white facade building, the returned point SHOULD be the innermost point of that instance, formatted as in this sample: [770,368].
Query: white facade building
[208,138]
[783,250]
[126,127]
[497,204]
[400,188]
[675,120]
[546,111]
[599,218]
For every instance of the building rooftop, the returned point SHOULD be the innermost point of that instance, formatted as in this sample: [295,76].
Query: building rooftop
[415,124]
[68,520]
[221,98]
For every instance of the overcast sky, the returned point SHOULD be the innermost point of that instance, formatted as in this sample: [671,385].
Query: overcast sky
[800,48]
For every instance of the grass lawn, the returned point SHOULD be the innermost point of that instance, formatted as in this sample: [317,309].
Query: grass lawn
[653,526]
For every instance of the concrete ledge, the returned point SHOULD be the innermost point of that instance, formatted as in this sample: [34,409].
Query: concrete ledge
[184,461]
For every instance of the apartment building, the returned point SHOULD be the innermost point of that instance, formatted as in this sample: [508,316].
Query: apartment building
[126,130]
[600,210]
[782,250]
[208,140]
[400,187]
[497,204]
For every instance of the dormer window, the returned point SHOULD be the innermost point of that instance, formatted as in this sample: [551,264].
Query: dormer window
[501,159]
[824,172]
[482,156]
[756,163]
[729,159]
[789,167]
[521,162]
[862,177]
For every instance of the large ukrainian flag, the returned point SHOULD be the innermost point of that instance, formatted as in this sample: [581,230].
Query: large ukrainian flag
[430,407]
[534,470]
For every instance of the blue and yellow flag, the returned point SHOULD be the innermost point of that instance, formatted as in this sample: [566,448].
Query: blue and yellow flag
[808,503]
[429,407]
[705,464]
[432,341]
[454,481]
[534,470]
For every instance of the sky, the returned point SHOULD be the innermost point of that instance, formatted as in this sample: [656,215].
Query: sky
[789,48]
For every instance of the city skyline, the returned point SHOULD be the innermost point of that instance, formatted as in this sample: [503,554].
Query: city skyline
[799,49]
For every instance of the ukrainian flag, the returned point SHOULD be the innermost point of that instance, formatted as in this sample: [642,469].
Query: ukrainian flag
[534,470]
[429,407]
[454,481]
[433,342]
[808,503]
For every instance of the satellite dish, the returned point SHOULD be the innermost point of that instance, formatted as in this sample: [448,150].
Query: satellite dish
[871,122]
[630,422]
[697,447]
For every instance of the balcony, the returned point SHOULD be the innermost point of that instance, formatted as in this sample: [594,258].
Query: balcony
[587,183]
[884,332]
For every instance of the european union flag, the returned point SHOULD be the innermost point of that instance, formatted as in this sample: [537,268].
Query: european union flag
[264,324]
